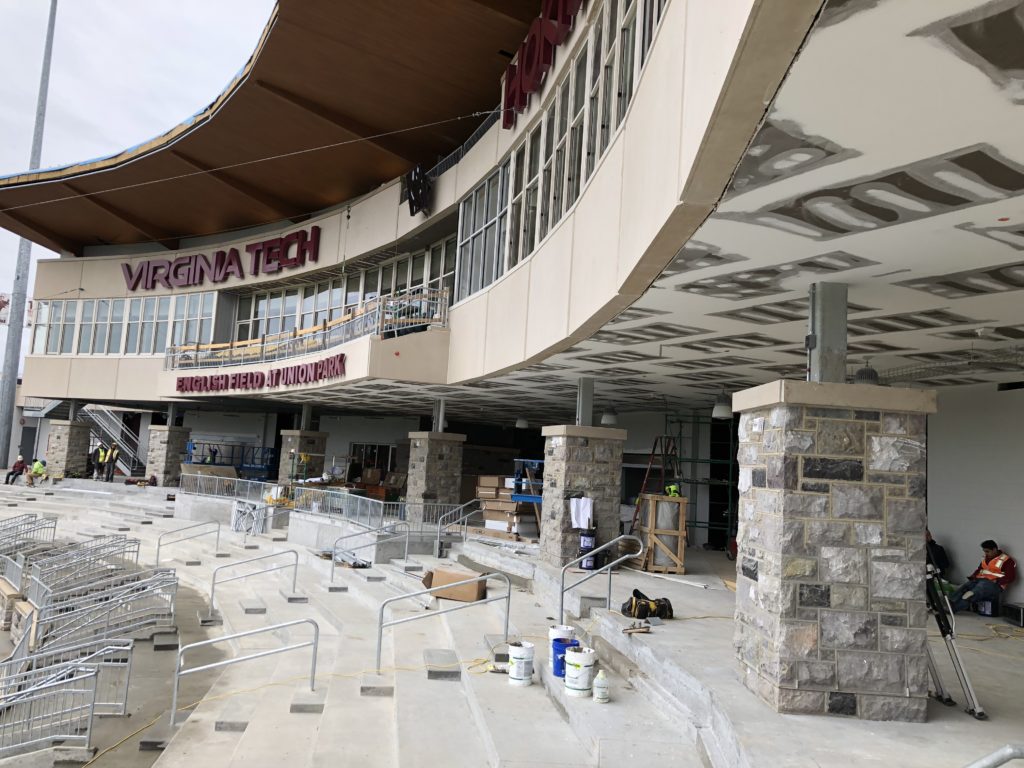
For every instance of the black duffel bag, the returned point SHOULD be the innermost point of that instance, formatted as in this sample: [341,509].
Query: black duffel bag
[640,606]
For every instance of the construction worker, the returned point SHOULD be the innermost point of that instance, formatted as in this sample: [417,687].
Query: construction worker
[38,471]
[16,471]
[996,572]
[99,456]
[672,489]
[110,463]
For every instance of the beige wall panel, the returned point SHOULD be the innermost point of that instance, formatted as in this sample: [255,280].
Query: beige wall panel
[712,34]
[596,224]
[550,271]
[506,320]
[97,378]
[104,278]
[46,377]
[57,279]
[468,326]
[478,162]
[138,378]
[374,221]
[417,357]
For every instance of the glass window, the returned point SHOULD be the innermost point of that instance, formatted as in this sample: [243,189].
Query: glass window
[418,265]
[163,312]
[627,38]
[387,279]
[86,331]
[148,318]
[99,338]
[371,284]
[117,325]
[42,326]
[402,276]
[352,288]
[132,337]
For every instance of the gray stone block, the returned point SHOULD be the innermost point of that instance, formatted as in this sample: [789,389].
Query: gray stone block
[902,708]
[815,595]
[860,502]
[892,619]
[801,702]
[442,664]
[849,597]
[783,416]
[840,438]
[896,454]
[808,674]
[798,639]
[799,568]
[843,565]
[805,505]
[842,703]
[907,516]
[870,672]
[918,676]
[917,613]
[898,640]
[833,469]
[898,580]
[849,630]
[867,534]
[828,534]
[903,423]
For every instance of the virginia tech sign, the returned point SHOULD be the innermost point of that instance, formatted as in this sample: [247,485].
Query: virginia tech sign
[332,367]
[263,258]
[537,52]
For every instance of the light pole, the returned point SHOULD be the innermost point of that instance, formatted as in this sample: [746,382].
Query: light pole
[16,319]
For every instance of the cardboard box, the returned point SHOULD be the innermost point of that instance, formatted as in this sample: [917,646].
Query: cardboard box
[505,493]
[490,481]
[486,493]
[467,593]
[500,505]
[371,476]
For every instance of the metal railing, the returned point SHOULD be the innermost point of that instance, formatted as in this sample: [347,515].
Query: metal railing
[459,517]
[15,538]
[60,711]
[252,518]
[1001,756]
[382,625]
[180,673]
[142,607]
[294,565]
[390,527]
[606,567]
[95,561]
[110,428]
[14,522]
[205,523]
[386,316]
[111,658]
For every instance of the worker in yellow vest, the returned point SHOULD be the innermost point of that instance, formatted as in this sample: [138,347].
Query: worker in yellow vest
[110,464]
[99,458]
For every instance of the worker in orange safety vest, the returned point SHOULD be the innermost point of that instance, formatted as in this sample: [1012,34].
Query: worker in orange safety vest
[996,572]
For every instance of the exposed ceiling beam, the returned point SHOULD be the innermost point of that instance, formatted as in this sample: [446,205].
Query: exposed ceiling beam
[280,208]
[390,144]
[147,229]
[54,241]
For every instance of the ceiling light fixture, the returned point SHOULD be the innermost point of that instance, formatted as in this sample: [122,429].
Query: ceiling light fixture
[522,423]
[609,418]
[723,407]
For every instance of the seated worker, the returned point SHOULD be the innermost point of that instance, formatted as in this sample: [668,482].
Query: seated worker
[16,471]
[936,554]
[996,572]
[38,471]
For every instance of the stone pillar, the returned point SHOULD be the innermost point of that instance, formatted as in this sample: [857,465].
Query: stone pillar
[295,442]
[67,449]
[585,460]
[435,471]
[165,453]
[830,588]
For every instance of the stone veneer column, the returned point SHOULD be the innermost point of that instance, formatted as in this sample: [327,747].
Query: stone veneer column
[830,589]
[165,453]
[579,459]
[67,449]
[435,471]
[295,442]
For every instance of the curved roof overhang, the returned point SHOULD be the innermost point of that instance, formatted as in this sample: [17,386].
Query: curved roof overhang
[382,85]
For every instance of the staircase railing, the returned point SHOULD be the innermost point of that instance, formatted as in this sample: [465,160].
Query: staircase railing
[15,539]
[460,517]
[60,711]
[390,528]
[606,567]
[382,625]
[294,565]
[111,428]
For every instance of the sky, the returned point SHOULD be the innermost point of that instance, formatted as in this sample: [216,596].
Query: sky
[123,71]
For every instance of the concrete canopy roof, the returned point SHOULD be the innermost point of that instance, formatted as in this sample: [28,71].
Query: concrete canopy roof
[323,73]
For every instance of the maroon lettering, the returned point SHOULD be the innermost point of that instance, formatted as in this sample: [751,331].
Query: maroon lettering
[255,251]
[132,278]
[232,266]
[304,373]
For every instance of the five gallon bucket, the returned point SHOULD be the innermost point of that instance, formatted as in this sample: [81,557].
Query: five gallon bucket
[558,649]
[588,541]
[579,671]
[555,632]
[520,663]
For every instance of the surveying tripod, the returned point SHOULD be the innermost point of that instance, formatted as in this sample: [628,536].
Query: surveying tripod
[939,607]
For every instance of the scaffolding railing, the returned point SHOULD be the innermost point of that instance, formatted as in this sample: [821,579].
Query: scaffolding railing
[382,625]
[294,565]
[60,711]
[19,678]
[606,567]
[205,524]
[180,673]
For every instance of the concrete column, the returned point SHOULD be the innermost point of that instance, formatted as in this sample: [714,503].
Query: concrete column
[585,460]
[585,402]
[165,452]
[306,418]
[826,339]
[830,589]
[67,449]
[295,442]
[435,471]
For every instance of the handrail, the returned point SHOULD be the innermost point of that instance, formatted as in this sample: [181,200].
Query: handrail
[295,573]
[1001,756]
[180,673]
[375,542]
[382,625]
[606,567]
[250,515]
[160,538]
[442,526]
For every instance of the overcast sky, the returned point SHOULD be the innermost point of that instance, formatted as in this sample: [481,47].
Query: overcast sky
[123,71]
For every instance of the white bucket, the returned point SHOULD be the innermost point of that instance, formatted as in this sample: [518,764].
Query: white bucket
[556,632]
[579,671]
[520,663]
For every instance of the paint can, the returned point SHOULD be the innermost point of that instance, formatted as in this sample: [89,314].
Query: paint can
[579,671]
[588,540]
[558,648]
[520,663]
[556,631]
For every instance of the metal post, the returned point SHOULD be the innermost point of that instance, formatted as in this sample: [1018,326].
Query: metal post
[585,402]
[16,319]
[826,334]
[439,415]
[307,417]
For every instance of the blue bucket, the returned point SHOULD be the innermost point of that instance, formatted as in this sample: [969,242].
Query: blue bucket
[558,647]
